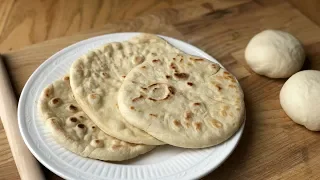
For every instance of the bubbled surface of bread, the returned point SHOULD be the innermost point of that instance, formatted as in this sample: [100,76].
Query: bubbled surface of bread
[182,100]
[97,76]
[74,130]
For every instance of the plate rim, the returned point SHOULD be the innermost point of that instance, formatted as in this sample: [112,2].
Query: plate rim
[31,145]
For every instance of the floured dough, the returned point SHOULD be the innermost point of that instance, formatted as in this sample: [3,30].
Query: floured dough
[299,98]
[275,54]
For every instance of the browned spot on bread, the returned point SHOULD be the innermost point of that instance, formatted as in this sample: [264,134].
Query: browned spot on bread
[171,90]
[232,86]
[66,78]
[181,76]
[73,119]
[81,117]
[143,88]
[215,66]
[81,126]
[72,108]
[166,97]
[143,67]
[155,60]
[174,59]
[232,79]
[189,64]
[139,59]
[93,96]
[176,123]
[216,123]
[123,76]
[116,146]
[190,83]
[154,89]
[168,76]
[226,73]
[131,107]
[137,98]
[238,109]
[187,114]
[152,99]
[55,100]
[47,92]
[154,54]
[174,67]
[104,74]
[224,113]
[154,115]
[152,85]
[229,77]
[196,104]
[97,143]
[218,87]
[93,127]
[197,125]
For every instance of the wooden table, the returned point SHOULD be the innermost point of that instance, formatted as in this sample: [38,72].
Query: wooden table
[272,147]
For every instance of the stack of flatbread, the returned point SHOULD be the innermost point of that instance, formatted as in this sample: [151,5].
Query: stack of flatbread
[126,98]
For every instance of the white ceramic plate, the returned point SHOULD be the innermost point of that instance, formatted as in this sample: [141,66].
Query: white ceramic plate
[165,162]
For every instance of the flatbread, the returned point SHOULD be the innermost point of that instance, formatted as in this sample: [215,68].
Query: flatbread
[74,130]
[97,76]
[182,100]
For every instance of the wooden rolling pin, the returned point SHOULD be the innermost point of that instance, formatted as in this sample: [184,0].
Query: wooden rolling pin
[28,167]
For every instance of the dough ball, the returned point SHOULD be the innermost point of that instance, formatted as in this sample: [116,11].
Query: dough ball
[300,97]
[275,54]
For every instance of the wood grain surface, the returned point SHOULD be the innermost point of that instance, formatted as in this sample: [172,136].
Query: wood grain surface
[272,147]
[23,23]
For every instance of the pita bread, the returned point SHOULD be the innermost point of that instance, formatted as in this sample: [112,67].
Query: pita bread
[74,130]
[97,76]
[182,100]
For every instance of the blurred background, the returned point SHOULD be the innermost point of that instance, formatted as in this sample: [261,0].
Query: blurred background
[25,22]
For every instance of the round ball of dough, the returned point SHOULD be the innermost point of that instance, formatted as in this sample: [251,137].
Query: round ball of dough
[275,54]
[300,98]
